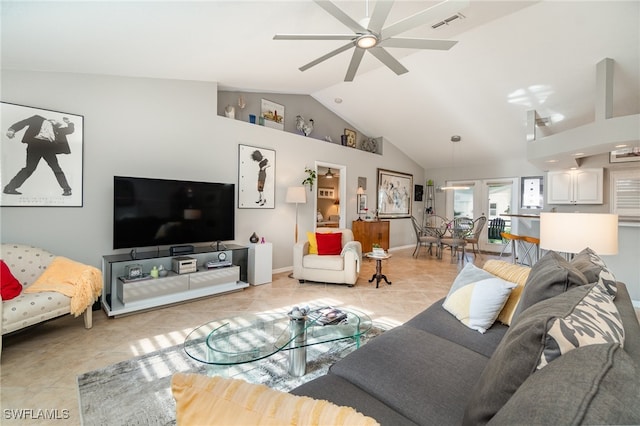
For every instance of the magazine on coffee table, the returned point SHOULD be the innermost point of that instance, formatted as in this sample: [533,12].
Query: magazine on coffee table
[330,316]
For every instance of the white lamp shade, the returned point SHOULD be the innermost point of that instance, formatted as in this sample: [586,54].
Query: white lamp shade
[296,194]
[360,191]
[573,232]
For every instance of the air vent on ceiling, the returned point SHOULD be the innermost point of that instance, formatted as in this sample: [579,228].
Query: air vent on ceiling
[449,19]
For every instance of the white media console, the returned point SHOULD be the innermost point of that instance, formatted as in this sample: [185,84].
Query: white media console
[122,296]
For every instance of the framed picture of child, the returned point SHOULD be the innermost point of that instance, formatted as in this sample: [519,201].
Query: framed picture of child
[41,157]
[256,177]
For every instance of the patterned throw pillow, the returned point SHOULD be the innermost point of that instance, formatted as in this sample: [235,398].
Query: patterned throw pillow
[476,297]
[527,341]
[594,269]
[594,320]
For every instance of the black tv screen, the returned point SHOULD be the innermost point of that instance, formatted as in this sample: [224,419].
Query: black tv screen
[153,212]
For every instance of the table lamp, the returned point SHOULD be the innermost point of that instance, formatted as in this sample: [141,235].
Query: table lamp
[572,232]
[297,195]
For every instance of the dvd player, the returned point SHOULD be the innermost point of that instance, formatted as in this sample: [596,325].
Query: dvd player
[217,264]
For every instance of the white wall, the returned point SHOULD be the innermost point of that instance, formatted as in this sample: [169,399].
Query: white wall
[170,129]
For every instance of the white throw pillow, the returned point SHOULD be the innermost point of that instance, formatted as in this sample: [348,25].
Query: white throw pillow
[476,297]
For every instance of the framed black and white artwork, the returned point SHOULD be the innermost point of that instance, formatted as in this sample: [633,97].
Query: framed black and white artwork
[42,154]
[256,177]
[394,194]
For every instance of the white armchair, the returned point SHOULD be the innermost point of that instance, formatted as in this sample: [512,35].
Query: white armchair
[338,269]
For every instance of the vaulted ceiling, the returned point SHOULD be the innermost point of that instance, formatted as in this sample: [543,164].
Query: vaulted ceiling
[511,57]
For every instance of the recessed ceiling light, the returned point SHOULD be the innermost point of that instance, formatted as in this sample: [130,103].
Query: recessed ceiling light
[622,145]
[577,154]
[552,161]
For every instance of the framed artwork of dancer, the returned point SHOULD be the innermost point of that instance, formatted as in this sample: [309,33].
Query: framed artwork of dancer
[256,177]
[394,194]
[42,152]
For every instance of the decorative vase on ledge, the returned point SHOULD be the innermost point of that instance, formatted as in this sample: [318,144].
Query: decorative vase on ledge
[254,238]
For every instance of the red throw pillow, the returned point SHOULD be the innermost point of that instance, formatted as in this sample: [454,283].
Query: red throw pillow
[10,287]
[329,243]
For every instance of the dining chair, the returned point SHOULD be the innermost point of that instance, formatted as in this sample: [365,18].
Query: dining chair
[478,225]
[458,229]
[434,229]
[423,237]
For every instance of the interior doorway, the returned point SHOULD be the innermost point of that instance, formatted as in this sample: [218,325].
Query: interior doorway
[330,193]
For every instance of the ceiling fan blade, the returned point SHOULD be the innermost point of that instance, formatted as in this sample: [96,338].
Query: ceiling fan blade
[438,12]
[386,58]
[337,13]
[314,36]
[354,64]
[327,56]
[379,15]
[418,43]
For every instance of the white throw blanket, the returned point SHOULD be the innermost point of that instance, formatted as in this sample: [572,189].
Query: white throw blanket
[354,248]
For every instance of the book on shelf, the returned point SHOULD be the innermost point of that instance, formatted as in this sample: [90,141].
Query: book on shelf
[330,316]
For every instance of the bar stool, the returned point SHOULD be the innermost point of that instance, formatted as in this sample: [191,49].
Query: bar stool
[513,238]
[531,242]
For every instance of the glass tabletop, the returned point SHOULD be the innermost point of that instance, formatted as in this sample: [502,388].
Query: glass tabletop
[252,337]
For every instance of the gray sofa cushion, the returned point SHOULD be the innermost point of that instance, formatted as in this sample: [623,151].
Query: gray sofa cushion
[598,384]
[422,376]
[519,354]
[584,263]
[339,391]
[550,276]
[436,320]
[630,322]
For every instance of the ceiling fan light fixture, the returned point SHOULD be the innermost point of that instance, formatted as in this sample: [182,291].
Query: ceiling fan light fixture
[366,41]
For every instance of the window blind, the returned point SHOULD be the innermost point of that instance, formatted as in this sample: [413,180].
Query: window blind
[625,193]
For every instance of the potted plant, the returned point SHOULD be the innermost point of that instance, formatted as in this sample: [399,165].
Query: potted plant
[310,179]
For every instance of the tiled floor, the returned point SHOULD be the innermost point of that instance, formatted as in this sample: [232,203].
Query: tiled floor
[40,365]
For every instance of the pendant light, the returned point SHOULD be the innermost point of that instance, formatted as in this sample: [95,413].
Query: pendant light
[329,175]
[454,139]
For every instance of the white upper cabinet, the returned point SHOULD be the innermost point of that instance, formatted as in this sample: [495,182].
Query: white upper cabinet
[581,186]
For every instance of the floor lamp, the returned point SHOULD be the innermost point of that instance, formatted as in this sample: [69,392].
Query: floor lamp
[297,195]
[570,233]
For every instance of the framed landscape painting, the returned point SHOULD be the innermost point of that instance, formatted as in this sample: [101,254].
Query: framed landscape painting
[42,152]
[394,194]
[256,177]
[273,114]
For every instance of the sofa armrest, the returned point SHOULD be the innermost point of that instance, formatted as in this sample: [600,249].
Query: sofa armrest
[300,250]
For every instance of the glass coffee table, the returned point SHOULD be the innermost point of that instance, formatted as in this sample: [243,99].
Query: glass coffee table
[249,338]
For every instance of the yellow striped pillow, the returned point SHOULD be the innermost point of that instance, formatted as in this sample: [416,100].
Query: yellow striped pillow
[513,273]
[217,400]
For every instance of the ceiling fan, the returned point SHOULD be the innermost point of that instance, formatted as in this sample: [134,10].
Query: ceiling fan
[371,35]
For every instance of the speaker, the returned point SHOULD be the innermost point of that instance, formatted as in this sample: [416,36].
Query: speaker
[418,192]
[174,250]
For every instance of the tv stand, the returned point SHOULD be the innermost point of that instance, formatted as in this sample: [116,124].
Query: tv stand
[121,296]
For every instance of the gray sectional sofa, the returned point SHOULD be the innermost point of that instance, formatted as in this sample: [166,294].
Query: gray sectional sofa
[433,370]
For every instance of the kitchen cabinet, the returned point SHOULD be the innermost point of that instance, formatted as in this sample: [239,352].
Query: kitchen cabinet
[580,186]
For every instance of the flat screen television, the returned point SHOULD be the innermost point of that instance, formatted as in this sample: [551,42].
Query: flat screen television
[153,212]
